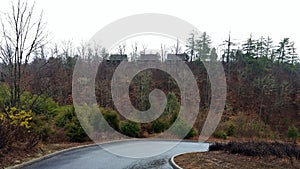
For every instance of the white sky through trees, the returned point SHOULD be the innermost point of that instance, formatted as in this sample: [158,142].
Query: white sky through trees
[79,20]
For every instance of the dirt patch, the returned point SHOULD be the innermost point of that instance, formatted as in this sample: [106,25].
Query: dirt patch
[222,159]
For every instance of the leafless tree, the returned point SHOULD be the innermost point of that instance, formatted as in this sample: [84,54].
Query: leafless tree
[90,51]
[82,49]
[68,49]
[121,49]
[144,46]
[22,34]
[163,51]
[176,48]
[134,48]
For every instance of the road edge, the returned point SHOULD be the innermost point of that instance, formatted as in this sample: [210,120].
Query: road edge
[25,164]
[172,162]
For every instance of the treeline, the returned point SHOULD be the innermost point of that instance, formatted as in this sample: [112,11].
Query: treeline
[263,88]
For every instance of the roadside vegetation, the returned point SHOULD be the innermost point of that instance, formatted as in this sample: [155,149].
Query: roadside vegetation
[259,149]
[36,107]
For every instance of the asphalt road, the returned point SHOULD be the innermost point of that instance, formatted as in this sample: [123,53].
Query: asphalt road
[96,157]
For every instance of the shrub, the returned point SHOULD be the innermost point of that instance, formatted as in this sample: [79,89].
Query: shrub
[217,147]
[97,122]
[191,133]
[130,128]
[220,134]
[42,126]
[67,119]
[15,126]
[249,126]
[172,108]
[75,132]
[158,126]
[230,130]
[64,114]
[111,117]
[292,132]
[40,104]
[260,149]
[17,117]
[168,117]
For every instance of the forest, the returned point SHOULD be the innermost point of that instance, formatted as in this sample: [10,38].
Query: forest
[36,105]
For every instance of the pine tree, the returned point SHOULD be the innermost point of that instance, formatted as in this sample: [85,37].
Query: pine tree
[284,50]
[250,47]
[203,46]
[191,44]
[293,56]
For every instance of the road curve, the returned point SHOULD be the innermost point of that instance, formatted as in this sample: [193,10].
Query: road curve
[96,157]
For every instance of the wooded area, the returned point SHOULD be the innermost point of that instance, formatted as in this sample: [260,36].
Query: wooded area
[263,95]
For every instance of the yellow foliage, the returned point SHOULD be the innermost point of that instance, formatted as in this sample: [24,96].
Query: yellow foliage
[2,116]
[17,117]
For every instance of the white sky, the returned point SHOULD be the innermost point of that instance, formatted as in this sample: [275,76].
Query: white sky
[80,19]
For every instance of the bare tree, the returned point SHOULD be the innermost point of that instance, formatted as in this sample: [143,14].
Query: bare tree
[121,49]
[163,51]
[67,49]
[90,51]
[176,48]
[21,36]
[82,49]
[134,48]
[144,46]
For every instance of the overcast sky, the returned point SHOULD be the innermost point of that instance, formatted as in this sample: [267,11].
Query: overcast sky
[81,19]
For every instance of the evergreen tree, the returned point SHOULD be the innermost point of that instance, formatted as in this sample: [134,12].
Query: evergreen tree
[284,50]
[203,46]
[268,52]
[249,48]
[293,56]
[191,44]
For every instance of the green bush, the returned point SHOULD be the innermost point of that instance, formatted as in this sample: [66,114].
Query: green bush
[111,117]
[40,104]
[40,121]
[75,132]
[130,128]
[64,114]
[230,130]
[172,108]
[42,126]
[158,126]
[220,134]
[97,123]
[191,133]
[67,119]
[292,132]
[168,117]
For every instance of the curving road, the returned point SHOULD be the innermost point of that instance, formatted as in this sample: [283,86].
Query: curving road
[96,157]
